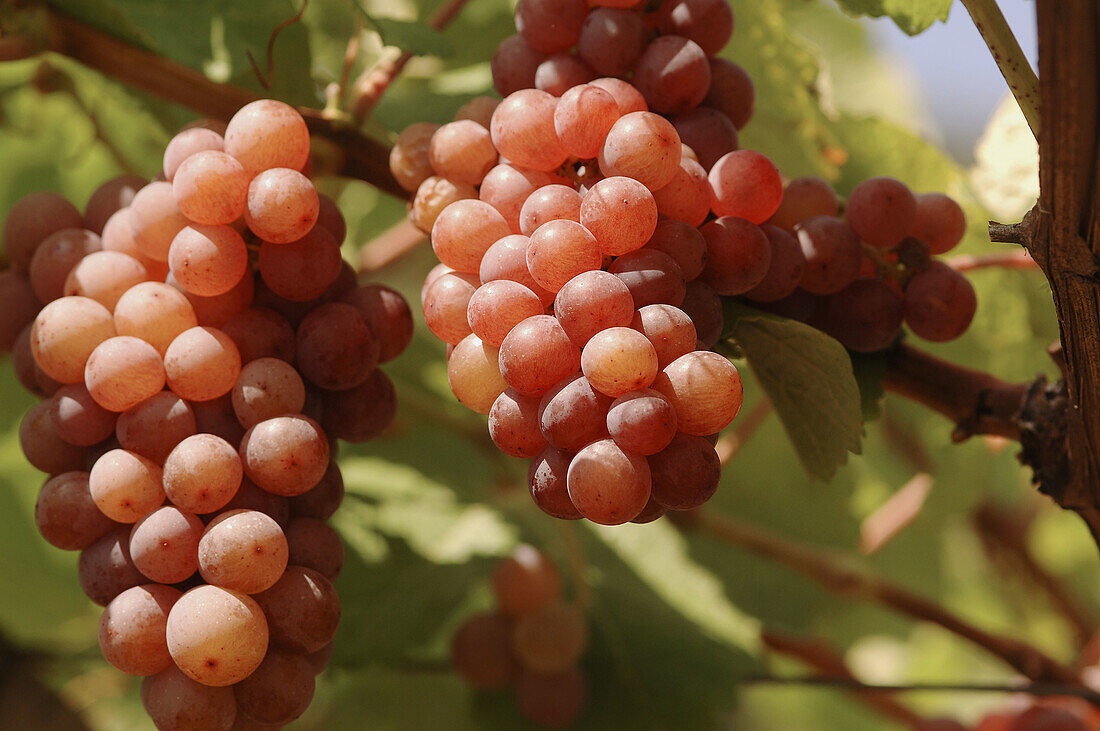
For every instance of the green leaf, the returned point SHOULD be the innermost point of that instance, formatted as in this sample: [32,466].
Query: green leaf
[416,38]
[809,378]
[912,16]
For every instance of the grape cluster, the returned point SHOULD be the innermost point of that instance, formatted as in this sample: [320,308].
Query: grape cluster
[860,277]
[576,289]
[533,641]
[200,345]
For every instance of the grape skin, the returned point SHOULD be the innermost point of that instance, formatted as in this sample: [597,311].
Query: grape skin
[216,636]
[175,702]
[685,473]
[202,473]
[104,276]
[514,424]
[154,427]
[536,354]
[315,545]
[279,690]
[705,390]
[608,485]
[560,250]
[621,213]
[211,188]
[122,372]
[642,422]
[573,413]
[546,481]
[286,455]
[473,373]
[643,146]
[65,333]
[302,610]
[78,419]
[164,544]
[202,363]
[243,550]
[939,303]
[105,569]
[549,203]
[66,514]
[125,486]
[525,582]
[550,640]
[132,629]
[591,302]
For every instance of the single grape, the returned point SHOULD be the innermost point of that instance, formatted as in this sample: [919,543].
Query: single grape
[940,222]
[18,306]
[746,184]
[164,544]
[446,306]
[155,312]
[215,311]
[266,388]
[865,316]
[43,446]
[709,133]
[642,422]
[104,276]
[523,130]
[536,354]
[301,270]
[202,363]
[388,316]
[259,332]
[175,702]
[498,306]
[705,388]
[506,188]
[473,373]
[549,203]
[202,473]
[479,109]
[881,211]
[939,303]
[707,22]
[155,219]
[673,74]
[481,651]
[132,629]
[216,636]
[278,691]
[832,251]
[122,372]
[464,231]
[525,581]
[731,91]
[507,259]
[77,417]
[286,455]
[55,257]
[785,269]
[514,64]
[612,40]
[154,427]
[462,151]
[550,26]
[626,96]
[243,550]
[681,241]
[560,250]
[208,260]
[573,413]
[643,146]
[251,497]
[66,514]
[669,329]
[591,302]
[336,349]
[361,413]
[409,161]
[186,143]
[32,220]
[267,134]
[546,481]
[685,473]
[583,117]
[560,72]
[302,610]
[321,501]
[105,569]
[621,213]
[126,486]
[432,196]
[211,188]
[618,360]
[687,196]
[550,640]
[652,277]
[608,485]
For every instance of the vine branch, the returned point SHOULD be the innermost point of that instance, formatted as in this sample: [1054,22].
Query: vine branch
[363,158]
[834,576]
[1010,58]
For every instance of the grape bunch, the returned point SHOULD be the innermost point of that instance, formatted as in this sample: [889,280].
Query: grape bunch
[576,290]
[199,345]
[533,641]
[860,277]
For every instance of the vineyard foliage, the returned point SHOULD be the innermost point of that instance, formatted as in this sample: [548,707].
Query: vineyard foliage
[675,617]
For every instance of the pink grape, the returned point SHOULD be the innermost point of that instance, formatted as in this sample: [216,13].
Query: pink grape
[216,636]
[939,303]
[804,198]
[514,424]
[123,371]
[65,333]
[507,187]
[164,544]
[612,40]
[155,219]
[105,276]
[618,360]
[685,473]
[446,306]
[507,259]
[785,269]
[536,354]
[709,133]
[940,222]
[673,74]
[746,184]
[462,151]
[549,203]
[514,64]
[473,373]
[186,143]
[560,250]
[267,134]
[738,255]
[705,389]
[550,26]
[731,91]
[496,307]
[55,258]
[464,231]
[621,213]
[643,146]
[668,328]
[652,277]
[546,481]
[591,302]
[560,72]
[881,211]
[409,159]
[523,130]
[683,243]
[626,96]
[282,205]
[708,23]
[687,196]
[832,251]
[211,188]
[31,220]
[573,413]
[608,485]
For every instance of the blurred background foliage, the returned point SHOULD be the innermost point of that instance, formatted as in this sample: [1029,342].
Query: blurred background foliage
[676,616]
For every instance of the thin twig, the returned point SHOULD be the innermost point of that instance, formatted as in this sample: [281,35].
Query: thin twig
[1043,689]
[1005,534]
[835,576]
[265,79]
[730,444]
[391,245]
[894,515]
[1010,58]
[1004,260]
[363,157]
[820,656]
[368,89]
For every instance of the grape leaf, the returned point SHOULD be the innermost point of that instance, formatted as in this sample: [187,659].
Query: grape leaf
[418,39]
[808,376]
[912,16]
[869,368]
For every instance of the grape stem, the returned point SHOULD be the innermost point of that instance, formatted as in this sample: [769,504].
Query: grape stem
[362,157]
[730,443]
[827,660]
[1010,58]
[836,575]
[390,246]
[1004,260]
